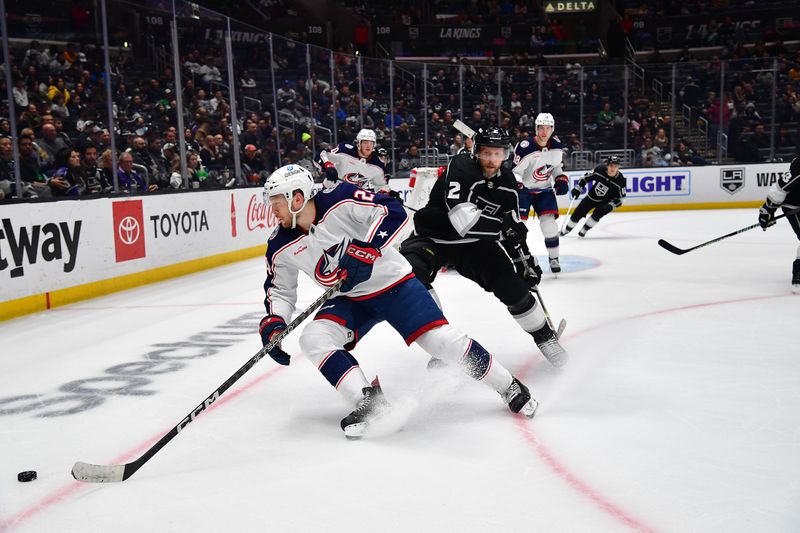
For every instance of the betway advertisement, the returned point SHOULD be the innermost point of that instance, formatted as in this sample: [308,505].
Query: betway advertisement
[56,245]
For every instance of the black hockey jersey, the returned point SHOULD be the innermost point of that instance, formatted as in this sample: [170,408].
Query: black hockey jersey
[786,191]
[466,207]
[606,188]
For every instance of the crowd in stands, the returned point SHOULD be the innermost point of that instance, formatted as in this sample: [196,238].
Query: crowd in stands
[64,141]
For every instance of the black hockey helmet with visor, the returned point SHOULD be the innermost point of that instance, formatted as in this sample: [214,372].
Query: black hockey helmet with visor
[612,160]
[493,137]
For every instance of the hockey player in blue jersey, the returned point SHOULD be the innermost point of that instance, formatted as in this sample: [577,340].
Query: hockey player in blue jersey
[358,164]
[348,232]
[539,171]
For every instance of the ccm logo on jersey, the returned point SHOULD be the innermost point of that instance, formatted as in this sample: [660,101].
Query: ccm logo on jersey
[367,256]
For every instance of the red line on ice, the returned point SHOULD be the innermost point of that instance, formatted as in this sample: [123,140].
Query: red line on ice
[550,460]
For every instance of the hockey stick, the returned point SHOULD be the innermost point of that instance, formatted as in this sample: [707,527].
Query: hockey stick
[114,473]
[566,217]
[562,325]
[680,251]
[463,128]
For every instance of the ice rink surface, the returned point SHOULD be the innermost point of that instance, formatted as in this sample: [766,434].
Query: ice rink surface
[679,410]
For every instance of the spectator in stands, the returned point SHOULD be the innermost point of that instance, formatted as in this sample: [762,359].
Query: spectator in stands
[7,177]
[458,144]
[21,100]
[129,179]
[760,139]
[785,139]
[605,118]
[247,84]
[95,180]
[29,169]
[685,156]
[52,144]
[58,89]
[661,140]
[68,180]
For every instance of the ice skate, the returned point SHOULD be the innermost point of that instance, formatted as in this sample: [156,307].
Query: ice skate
[548,343]
[566,229]
[796,276]
[555,266]
[369,410]
[584,229]
[519,399]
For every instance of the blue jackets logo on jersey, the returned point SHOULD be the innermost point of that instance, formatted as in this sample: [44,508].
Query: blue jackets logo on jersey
[542,173]
[327,269]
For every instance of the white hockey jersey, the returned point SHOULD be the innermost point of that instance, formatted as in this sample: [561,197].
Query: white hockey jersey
[344,212]
[368,173]
[536,166]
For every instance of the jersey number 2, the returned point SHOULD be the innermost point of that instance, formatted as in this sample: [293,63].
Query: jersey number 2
[455,188]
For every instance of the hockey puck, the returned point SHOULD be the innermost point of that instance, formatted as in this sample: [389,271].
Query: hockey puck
[28,475]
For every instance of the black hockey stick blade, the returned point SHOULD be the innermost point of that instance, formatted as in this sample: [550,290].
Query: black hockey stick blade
[92,473]
[671,247]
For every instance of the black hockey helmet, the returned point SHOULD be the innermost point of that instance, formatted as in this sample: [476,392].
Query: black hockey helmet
[612,159]
[492,136]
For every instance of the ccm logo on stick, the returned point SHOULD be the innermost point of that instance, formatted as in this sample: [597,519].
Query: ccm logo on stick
[360,253]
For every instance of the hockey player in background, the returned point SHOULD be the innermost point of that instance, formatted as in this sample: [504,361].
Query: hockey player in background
[358,164]
[347,232]
[471,224]
[785,193]
[539,171]
[606,194]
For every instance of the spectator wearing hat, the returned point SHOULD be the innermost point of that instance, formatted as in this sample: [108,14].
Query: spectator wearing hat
[253,165]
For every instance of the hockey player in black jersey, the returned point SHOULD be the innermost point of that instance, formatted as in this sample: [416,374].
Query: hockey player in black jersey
[785,193]
[471,224]
[606,195]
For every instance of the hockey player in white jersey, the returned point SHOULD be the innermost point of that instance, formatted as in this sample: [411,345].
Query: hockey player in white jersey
[358,164]
[539,171]
[347,232]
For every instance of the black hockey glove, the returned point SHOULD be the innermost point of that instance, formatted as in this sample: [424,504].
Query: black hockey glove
[766,215]
[514,230]
[330,171]
[525,264]
[561,185]
[575,192]
[357,261]
[271,325]
[396,195]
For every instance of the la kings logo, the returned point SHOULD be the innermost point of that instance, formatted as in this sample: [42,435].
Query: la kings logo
[731,179]
[52,241]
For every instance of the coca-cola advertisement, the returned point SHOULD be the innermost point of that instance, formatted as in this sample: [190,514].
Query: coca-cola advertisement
[259,214]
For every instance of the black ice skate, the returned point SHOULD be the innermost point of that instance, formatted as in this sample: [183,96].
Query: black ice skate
[547,342]
[796,276]
[584,229]
[566,229]
[369,409]
[519,399]
[555,266]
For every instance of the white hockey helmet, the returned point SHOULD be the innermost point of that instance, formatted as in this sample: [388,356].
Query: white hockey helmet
[365,135]
[285,181]
[545,119]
